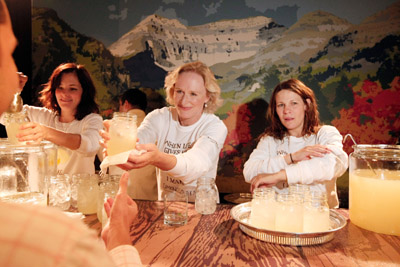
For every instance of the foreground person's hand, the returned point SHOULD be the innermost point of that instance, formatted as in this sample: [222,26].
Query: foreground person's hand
[121,212]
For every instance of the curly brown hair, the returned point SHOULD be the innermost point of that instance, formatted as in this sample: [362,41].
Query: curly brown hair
[87,104]
[311,116]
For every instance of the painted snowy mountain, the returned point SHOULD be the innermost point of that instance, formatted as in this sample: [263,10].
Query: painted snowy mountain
[172,43]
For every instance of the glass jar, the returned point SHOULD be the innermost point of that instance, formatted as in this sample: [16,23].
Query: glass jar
[206,195]
[22,172]
[299,189]
[51,153]
[315,212]
[87,192]
[13,121]
[60,191]
[263,206]
[123,133]
[108,187]
[374,186]
[289,213]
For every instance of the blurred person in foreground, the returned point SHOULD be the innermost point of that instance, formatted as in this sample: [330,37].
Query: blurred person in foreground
[41,236]
[295,147]
[182,141]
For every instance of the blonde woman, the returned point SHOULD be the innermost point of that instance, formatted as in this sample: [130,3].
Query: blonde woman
[182,141]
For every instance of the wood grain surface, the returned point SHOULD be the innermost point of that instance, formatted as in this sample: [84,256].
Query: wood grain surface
[216,240]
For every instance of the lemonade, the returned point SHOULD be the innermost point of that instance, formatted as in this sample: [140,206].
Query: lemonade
[12,122]
[289,214]
[120,142]
[316,220]
[374,200]
[123,133]
[263,208]
[12,130]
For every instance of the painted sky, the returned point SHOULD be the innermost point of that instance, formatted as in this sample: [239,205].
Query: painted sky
[108,20]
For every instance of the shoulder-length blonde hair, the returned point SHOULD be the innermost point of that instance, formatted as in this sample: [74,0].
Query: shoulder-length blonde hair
[210,83]
[311,116]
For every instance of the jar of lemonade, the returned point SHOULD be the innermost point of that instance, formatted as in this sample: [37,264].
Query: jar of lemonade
[88,190]
[13,121]
[315,212]
[263,207]
[289,213]
[123,133]
[374,186]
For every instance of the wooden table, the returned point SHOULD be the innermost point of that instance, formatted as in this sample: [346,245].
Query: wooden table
[216,240]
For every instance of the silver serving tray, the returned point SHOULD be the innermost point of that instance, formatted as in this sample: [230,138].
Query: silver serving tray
[241,214]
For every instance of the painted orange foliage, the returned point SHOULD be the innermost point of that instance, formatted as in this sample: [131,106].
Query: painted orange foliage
[237,123]
[375,116]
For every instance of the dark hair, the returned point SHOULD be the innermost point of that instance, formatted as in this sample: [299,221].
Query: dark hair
[87,104]
[311,116]
[135,97]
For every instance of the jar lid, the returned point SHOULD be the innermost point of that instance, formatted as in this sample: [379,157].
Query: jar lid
[379,151]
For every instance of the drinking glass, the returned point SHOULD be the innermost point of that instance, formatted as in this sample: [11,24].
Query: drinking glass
[108,187]
[206,195]
[60,191]
[87,192]
[8,180]
[175,208]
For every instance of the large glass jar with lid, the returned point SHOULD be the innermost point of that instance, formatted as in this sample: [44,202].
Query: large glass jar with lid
[206,195]
[22,173]
[374,186]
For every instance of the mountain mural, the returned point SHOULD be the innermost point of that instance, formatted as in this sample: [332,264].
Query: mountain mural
[55,42]
[353,69]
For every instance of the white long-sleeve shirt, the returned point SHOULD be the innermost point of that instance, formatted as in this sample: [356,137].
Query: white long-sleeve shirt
[196,147]
[319,172]
[69,161]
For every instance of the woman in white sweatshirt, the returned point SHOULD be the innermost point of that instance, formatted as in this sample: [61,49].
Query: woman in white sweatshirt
[295,147]
[69,118]
[182,141]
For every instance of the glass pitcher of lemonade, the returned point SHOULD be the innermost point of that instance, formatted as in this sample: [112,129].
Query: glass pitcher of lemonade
[374,188]
[123,133]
